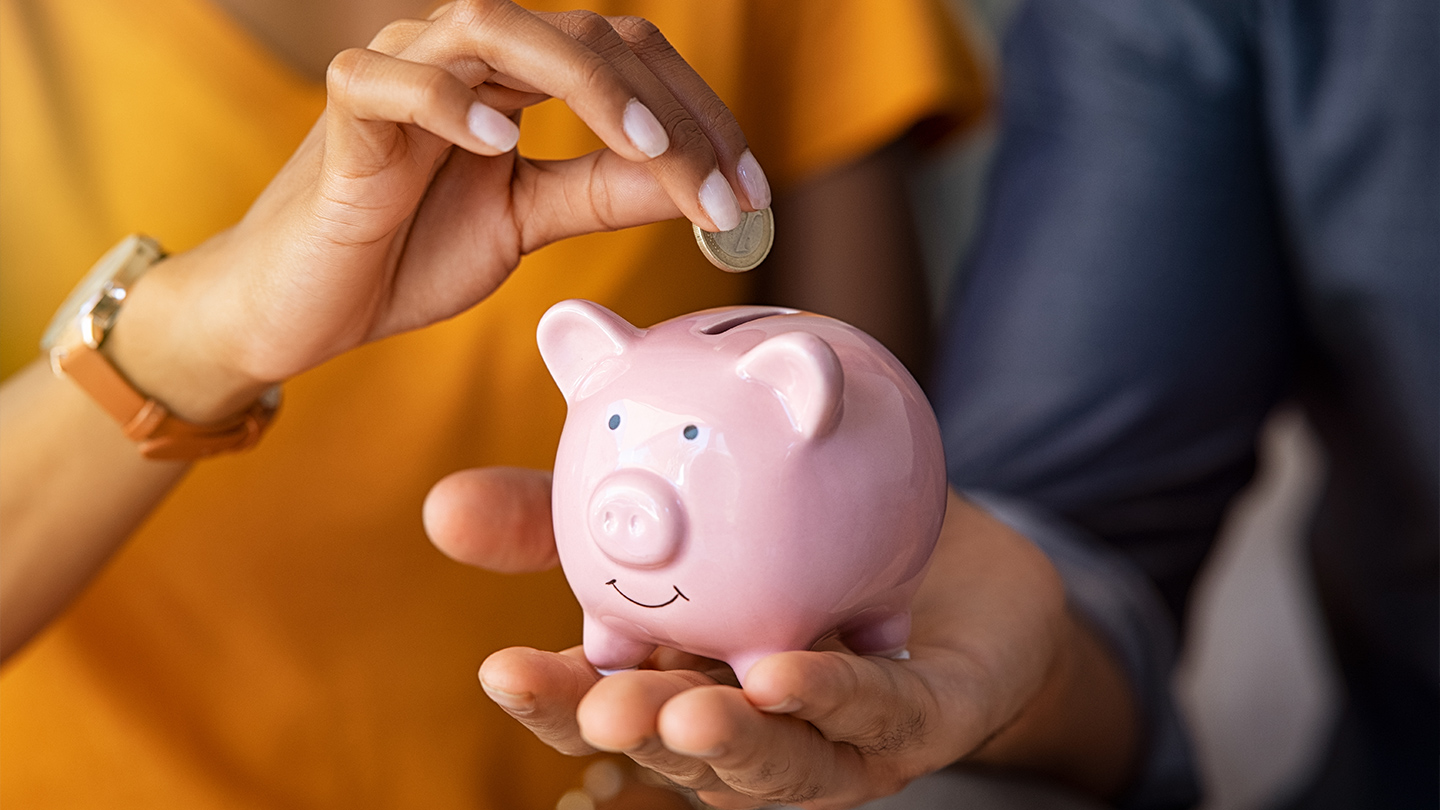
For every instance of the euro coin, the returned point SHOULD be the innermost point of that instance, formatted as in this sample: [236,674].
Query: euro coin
[741,248]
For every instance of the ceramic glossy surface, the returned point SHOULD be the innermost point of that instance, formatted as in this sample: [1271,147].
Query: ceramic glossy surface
[738,482]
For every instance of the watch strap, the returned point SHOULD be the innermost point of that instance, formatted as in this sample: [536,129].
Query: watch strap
[146,421]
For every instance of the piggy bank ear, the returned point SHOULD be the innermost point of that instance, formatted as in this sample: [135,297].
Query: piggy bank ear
[804,372]
[577,336]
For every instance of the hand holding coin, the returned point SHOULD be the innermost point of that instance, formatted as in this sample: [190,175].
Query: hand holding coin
[741,248]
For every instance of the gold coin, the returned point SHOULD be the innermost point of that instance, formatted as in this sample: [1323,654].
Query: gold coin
[741,248]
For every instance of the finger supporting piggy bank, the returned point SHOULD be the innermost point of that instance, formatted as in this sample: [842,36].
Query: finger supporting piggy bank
[739,482]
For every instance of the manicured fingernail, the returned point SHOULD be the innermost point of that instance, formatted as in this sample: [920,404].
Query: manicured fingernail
[752,179]
[719,201]
[497,131]
[509,701]
[644,130]
[787,706]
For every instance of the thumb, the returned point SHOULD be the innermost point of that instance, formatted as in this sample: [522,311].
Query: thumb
[497,518]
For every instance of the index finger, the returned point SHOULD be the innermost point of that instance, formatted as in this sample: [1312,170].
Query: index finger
[589,66]
[475,39]
[692,161]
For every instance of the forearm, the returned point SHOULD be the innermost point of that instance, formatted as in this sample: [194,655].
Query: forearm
[72,488]
[356,240]
[845,247]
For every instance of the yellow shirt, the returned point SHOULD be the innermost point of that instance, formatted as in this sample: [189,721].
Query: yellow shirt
[280,633]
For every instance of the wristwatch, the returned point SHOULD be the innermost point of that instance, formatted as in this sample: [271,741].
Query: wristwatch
[76,335]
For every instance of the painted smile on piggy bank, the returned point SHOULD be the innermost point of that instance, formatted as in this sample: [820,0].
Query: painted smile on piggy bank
[678,595]
[783,465]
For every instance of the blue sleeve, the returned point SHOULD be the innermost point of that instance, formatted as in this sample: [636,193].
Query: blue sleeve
[1123,324]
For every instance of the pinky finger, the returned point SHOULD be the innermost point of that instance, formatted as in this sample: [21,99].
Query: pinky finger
[372,92]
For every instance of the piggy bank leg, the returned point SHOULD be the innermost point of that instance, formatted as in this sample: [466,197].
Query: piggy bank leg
[609,651]
[883,634]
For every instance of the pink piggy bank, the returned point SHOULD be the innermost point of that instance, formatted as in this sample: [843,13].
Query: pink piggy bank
[739,482]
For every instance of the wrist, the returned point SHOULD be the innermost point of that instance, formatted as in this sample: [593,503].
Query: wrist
[166,344]
[1081,727]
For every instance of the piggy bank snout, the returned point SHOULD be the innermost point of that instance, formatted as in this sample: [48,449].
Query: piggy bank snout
[636,518]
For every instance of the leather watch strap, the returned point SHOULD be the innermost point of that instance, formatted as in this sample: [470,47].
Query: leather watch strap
[146,421]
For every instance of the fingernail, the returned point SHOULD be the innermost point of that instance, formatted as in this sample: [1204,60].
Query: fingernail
[644,130]
[511,702]
[646,745]
[712,753]
[787,706]
[719,201]
[497,131]
[752,179]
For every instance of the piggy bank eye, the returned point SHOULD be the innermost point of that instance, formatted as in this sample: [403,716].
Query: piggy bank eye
[614,421]
[691,432]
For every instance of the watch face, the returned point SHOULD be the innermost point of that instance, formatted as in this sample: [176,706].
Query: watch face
[120,266]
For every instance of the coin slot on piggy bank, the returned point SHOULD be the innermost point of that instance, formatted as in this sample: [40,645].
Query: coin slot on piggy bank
[739,482]
[741,315]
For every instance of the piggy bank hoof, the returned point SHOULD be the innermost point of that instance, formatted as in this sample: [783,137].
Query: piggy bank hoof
[883,634]
[611,651]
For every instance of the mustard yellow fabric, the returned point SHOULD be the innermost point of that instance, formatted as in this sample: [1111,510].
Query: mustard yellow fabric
[280,633]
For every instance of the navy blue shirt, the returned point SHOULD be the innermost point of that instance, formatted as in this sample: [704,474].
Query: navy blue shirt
[1200,210]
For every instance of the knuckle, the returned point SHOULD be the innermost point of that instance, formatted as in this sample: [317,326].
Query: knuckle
[585,26]
[784,779]
[434,89]
[893,734]
[340,76]
[595,32]
[686,136]
[462,13]
[714,110]
[474,15]
[553,728]
[684,774]
[594,75]
[395,35]
[797,795]
[558,735]
[639,33]
[790,794]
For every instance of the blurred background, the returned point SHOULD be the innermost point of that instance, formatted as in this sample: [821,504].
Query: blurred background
[1256,684]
